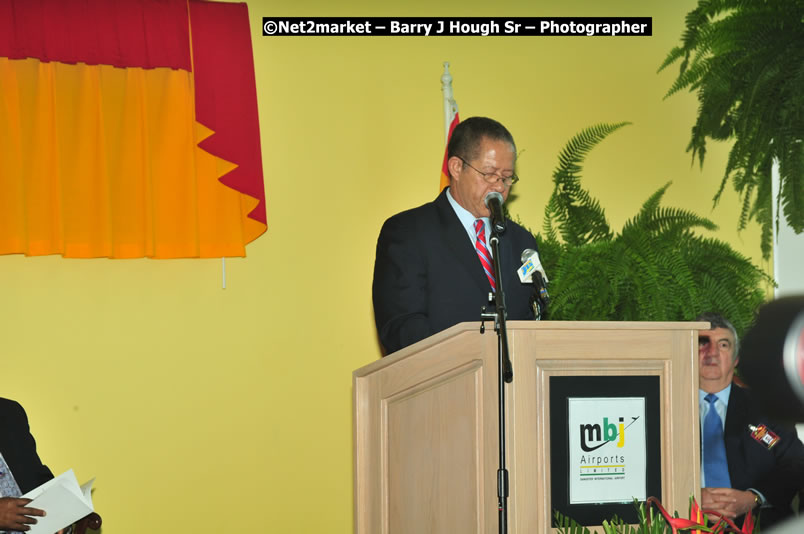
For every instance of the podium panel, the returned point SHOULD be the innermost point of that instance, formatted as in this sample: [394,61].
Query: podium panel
[435,426]
[426,428]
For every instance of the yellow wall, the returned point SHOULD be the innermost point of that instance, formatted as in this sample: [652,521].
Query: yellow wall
[208,410]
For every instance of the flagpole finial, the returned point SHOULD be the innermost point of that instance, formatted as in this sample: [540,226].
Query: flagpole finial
[446,78]
[450,120]
[450,107]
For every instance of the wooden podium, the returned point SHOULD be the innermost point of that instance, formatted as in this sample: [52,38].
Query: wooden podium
[426,423]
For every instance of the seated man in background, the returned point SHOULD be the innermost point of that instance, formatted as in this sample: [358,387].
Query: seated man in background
[747,461]
[21,470]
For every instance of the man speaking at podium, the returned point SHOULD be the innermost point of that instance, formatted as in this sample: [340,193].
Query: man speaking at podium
[433,267]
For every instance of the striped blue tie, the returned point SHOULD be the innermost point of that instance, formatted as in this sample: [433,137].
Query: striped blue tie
[716,468]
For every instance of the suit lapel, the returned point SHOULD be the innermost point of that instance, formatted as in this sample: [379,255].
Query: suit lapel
[736,412]
[457,242]
[737,415]
[508,274]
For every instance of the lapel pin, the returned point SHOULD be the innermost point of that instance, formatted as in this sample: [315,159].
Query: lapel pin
[762,434]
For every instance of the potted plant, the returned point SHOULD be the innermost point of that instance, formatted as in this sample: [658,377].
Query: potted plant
[656,268]
[745,61]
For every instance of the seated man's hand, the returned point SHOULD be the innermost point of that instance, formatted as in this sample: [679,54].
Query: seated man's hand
[731,503]
[15,515]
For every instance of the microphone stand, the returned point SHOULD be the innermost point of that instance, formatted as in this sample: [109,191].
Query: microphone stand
[505,373]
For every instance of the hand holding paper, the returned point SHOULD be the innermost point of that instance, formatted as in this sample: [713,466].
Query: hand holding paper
[63,501]
[15,514]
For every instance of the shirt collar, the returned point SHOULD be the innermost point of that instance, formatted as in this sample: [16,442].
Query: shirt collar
[722,395]
[466,218]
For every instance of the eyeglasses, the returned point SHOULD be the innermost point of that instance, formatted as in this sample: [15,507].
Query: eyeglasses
[493,177]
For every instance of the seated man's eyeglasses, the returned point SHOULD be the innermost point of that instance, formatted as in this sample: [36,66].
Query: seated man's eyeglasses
[493,177]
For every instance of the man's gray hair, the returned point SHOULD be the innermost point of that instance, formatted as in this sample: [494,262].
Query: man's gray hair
[718,321]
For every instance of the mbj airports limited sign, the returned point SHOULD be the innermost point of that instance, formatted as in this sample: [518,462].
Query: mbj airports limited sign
[607,456]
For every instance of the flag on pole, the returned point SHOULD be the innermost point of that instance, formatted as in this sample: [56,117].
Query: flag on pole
[451,120]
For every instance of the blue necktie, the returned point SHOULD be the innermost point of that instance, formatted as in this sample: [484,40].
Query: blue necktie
[716,469]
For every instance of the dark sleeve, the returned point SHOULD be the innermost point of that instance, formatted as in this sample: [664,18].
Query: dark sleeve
[781,483]
[400,286]
[19,448]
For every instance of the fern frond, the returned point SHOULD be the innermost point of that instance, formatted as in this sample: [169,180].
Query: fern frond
[745,61]
[791,174]
[655,268]
[571,212]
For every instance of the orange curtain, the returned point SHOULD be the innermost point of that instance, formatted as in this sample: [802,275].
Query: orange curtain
[103,161]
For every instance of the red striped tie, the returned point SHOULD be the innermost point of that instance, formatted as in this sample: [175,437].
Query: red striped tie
[483,252]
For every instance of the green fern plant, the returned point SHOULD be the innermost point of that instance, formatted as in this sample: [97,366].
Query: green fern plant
[655,269]
[745,60]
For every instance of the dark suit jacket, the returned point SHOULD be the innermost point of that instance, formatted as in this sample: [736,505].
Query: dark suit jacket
[427,275]
[19,448]
[778,473]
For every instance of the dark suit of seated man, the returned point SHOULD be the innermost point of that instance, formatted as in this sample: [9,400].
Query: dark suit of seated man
[21,470]
[428,273]
[765,460]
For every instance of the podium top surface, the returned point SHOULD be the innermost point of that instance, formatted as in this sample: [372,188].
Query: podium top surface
[460,328]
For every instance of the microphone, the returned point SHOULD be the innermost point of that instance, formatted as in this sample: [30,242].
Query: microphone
[530,264]
[494,202]
[531,270]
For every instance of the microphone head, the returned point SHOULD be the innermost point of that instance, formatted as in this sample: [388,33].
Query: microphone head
[531,262]
[494,195]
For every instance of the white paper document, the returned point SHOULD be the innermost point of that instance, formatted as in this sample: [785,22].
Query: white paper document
[63,501]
